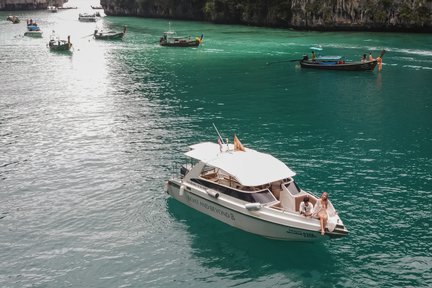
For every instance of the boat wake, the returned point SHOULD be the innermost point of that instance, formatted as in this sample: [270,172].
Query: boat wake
[417,67]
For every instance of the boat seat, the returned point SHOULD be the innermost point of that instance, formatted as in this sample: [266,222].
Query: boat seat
[299,199]
[210,175]
[276,189]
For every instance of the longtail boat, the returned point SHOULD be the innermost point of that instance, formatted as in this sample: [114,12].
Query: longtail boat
[339,63]
[14,19]
[55,44]
[171,39]
[110,35]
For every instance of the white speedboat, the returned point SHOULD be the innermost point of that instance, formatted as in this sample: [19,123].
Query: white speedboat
[53,9]
[250,190]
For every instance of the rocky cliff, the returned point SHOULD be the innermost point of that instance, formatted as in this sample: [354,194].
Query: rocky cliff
[12,5]
[375,15]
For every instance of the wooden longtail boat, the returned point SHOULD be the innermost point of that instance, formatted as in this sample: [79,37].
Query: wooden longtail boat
[171,39]
[338,63]
[55,44]
[110,35]
[14,19]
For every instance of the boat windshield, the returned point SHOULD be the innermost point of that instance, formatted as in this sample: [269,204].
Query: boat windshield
[292,187]
[264,196]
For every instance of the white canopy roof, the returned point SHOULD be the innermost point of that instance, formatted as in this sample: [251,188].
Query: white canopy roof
[250,168]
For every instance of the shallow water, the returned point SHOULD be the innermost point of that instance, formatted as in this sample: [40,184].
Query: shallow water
[87,140]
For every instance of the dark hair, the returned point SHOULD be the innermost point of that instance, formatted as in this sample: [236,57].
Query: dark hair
[306,198]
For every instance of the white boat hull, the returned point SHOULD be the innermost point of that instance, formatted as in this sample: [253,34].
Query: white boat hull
[262,222]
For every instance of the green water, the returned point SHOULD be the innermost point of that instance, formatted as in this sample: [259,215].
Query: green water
[89,138]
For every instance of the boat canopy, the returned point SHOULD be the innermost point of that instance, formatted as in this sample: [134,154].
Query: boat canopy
[250,168]
[329,58]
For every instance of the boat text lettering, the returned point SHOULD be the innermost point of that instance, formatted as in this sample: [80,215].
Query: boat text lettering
[211,208]
[301,233]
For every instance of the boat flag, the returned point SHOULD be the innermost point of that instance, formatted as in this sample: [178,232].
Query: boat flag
[238,146]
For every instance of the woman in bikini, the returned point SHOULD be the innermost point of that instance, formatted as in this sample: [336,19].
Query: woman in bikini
[320,211]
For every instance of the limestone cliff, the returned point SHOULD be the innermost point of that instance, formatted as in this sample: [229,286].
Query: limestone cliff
[380,15]
[29,4]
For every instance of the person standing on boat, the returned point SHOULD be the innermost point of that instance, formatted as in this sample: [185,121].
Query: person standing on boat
[306,208]
[370,57]
[313,56]
[320,211]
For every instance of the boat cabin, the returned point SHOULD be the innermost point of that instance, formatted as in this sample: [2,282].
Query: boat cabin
[250,176]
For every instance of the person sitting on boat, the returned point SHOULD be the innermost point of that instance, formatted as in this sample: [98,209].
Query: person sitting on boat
[306,208]
[364,58]
[305,57]
[320,211]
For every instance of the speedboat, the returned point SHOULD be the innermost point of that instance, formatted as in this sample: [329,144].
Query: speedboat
[53,9]
[249,190]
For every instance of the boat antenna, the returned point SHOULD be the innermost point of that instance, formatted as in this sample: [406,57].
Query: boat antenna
[217,131]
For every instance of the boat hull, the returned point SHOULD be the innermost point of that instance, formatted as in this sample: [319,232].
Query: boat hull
[263,224]
[34,34]
[87,18]
[357,66]
[61,47]
[194,43]
[117,36]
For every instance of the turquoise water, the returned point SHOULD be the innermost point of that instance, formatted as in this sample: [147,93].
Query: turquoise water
[89,138]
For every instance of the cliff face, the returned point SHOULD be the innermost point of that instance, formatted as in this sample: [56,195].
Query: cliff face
[385,15]
[11,5]
[379,15]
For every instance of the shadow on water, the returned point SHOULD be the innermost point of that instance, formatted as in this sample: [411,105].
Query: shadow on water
[242,255]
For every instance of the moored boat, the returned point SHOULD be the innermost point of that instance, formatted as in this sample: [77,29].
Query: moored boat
[249,190]
[56,44]
[86,17]
[110,35]
[14,19]
[339,63]
[67,7]
[34,34]
[53,9]
[170,38]
[33,30]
